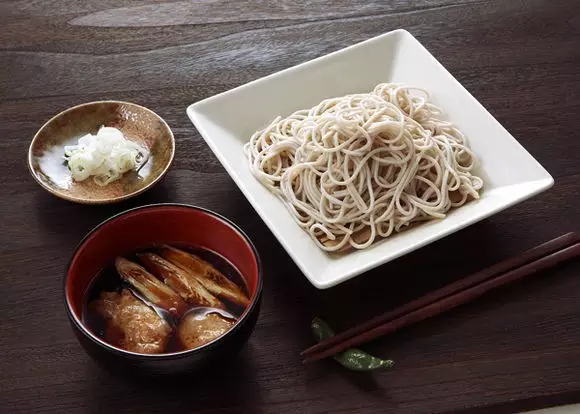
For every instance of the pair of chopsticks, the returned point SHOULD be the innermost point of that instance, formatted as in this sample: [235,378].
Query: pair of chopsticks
[539,258]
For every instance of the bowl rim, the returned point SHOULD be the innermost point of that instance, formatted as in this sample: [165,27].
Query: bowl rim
[111,200]
[173,355]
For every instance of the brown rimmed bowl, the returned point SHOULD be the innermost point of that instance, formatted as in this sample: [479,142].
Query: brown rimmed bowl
[142,227]
[139,124]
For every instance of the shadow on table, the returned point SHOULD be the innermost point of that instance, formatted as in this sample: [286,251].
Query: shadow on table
[66,220]
[386,287]
[231,386]
[528,404]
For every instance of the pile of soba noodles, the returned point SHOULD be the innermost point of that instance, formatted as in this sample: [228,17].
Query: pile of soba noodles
[360,167]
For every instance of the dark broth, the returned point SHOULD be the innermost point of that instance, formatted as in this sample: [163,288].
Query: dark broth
[109,280]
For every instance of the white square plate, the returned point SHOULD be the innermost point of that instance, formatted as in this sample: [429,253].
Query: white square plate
[226,122]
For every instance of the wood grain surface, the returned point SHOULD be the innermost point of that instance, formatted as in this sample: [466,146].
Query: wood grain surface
[515,349]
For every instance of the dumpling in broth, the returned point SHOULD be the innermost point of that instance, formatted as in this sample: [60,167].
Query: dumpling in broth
[196,330]
[131,324]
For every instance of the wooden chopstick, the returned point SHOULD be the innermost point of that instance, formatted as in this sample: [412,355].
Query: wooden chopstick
[455,294]
[501,267]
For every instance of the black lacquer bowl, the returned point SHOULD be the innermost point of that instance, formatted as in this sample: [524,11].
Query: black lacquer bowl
[145,226]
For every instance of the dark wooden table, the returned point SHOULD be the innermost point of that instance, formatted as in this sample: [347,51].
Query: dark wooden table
[515,349]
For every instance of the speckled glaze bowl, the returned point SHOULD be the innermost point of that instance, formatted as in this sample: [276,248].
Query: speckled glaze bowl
[139,124]
[166,224]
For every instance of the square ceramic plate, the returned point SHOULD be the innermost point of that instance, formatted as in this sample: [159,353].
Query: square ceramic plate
[226,122]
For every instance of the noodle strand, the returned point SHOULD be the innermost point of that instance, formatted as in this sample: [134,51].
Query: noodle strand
[363,166]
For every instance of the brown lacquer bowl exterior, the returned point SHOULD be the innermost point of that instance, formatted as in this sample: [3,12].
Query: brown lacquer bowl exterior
[145,226]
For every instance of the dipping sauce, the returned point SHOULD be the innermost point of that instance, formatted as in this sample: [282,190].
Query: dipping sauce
[165,299]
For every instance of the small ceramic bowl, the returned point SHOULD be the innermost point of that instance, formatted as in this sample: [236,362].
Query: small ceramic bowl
[142,227]
[139,124]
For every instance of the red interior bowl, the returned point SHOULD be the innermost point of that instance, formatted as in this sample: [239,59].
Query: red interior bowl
[161,223]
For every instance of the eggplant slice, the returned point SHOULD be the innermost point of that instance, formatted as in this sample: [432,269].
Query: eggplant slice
[211,278]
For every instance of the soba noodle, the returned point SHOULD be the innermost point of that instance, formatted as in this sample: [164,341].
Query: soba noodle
[363,166]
